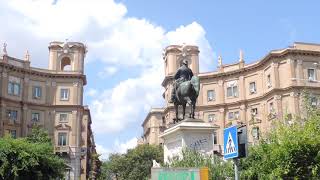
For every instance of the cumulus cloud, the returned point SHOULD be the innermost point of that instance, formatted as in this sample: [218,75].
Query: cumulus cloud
[118,147]
[108,71]
[113,39]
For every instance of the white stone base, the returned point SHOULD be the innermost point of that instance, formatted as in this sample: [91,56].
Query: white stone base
[189,133]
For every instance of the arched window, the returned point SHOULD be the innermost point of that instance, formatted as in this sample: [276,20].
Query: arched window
[65,64]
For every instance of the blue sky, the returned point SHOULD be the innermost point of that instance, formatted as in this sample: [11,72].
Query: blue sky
[126,38]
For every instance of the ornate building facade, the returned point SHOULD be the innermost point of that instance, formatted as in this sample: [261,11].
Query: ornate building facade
[50,98]
[254,94]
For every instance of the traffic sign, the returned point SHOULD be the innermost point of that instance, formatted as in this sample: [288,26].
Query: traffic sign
[230,142]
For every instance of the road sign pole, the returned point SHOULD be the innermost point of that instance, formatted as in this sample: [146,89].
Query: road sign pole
[236,171]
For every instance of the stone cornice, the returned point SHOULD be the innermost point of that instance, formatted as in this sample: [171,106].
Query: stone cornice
[253,66]
[44,72]
[152,111]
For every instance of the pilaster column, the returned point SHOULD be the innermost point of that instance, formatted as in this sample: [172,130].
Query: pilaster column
[294,100]
[243,117]
[292,71]
[279,106]
[300,72]
[48,93]
[242,89]
[25,89]
[222,125]
[24,120]
[3,117]
[276,78]
[221,91]
[4,84]
[53,93]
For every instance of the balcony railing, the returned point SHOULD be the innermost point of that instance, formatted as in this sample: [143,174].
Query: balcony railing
[62,149]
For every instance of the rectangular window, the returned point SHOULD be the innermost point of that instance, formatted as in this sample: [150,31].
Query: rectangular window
[233,115]
[63,117]
[269,83]
[12,115]
[254,111]
[271,108]
[311,75]
[255,133]
[62,139]
[215,138]
[64,94]
[252,87]
[13,133]
[211,95]
[13,88]
[35,117]
[36,92]
[314,101]
[211,117]
[232,91]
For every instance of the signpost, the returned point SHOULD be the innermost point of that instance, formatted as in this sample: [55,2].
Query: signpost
[230,146]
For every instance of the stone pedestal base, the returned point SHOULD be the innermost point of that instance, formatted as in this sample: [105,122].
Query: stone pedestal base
[189,133]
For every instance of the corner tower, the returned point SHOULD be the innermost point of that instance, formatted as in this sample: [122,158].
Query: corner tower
[67,56]
[174,54]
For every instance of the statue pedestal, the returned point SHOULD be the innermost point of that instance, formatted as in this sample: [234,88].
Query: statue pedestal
[189,133]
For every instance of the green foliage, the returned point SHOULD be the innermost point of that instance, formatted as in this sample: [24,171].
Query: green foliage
[289,151]
[218,169]
[28,158]
[135,164]
[39,135]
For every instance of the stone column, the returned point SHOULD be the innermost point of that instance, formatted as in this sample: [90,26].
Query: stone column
[242,88]
[279,106]
[222,125]
[275,67]
[24,120]
[4,84]
[49,95]
[292,71]
[3,117]
[300,72]
[243,117]
[294,100]
[220,92]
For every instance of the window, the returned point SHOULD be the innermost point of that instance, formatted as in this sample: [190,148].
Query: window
[215,138]
[62,139]
[254,111]
[12,115]
[271,108]
[36,92]
[14,88]
[232,91]
[233,115]
[63,117]
[35,117]
[314,101]
[269,83]
[13,133]
[311,75]
[64,94]
[252,87]
[255,133]
[211,117]
[211,95]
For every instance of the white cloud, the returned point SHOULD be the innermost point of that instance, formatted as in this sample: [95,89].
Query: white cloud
[118,147]
[108,71]
[113,39]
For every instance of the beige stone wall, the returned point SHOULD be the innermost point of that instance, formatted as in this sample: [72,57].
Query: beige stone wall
[287,71]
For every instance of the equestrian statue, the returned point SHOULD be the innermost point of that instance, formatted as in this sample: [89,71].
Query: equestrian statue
[185,90]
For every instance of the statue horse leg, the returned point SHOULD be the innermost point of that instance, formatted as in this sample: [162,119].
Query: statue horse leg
[176,108]
[193,107]
[183,110]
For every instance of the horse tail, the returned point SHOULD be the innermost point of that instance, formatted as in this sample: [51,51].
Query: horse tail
[195,81]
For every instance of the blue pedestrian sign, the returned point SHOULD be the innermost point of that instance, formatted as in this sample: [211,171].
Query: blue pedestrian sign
[230,142]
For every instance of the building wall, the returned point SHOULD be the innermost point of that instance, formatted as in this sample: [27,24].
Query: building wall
[280,77]
[49,105]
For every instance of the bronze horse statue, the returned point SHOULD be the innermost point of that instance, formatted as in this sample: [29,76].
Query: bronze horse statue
[187,92]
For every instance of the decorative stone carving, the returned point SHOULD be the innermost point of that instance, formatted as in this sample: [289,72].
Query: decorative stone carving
[299,62]
[221,110]
[76,84]
[27,56]
[26,79]
[219,61]
[53,83]
[243,107]
[220,82]
[241,56]
[4,50]
[277,97]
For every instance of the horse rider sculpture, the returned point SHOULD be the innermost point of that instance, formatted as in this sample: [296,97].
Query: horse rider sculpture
[184,73]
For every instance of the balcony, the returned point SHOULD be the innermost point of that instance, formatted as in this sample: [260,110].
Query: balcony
[11,122]
[62,149]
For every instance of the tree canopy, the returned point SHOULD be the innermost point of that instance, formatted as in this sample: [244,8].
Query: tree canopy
[29,158]
[133,165]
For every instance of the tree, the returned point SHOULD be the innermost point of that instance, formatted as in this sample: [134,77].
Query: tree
[135,164]
[218,169]
[28,158]
[289,151]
